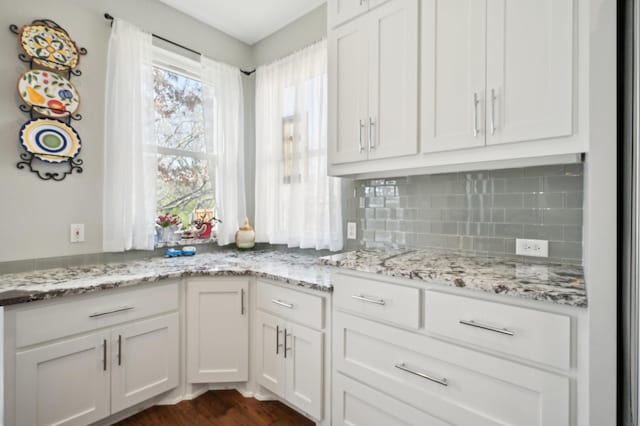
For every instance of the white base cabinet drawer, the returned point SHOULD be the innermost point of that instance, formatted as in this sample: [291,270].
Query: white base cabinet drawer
[526,333]
[458,385]
[377,299]
[355,404]
[290,304]
[74,316]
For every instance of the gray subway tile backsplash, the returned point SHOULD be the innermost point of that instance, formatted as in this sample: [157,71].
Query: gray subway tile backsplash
[481,212]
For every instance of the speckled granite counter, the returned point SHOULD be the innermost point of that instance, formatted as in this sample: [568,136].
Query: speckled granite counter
[561,284]
[293,268]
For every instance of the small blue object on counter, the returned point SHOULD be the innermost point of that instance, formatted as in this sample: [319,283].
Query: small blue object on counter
[188,251]
[171,252]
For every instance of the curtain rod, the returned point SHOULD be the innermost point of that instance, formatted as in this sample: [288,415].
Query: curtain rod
[111,18]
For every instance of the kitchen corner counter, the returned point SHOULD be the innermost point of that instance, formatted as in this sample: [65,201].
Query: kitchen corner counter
[294,268]
[555,283]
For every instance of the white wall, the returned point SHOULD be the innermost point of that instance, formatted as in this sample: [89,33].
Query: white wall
[35,215]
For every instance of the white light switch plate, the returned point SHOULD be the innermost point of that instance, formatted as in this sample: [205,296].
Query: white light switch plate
[76,233]
[536,248]
[352,231]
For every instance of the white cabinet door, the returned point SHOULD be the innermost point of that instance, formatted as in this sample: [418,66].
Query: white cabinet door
[65,383]
[355,404]
[393,80]
[217,331]
[348,103]
[453,74]
[529,69]
[144,360]
[340,11]
[303,350]
[270,347]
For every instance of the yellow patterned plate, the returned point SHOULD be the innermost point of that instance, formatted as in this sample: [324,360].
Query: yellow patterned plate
[49,94]
[50,140]
[49,47]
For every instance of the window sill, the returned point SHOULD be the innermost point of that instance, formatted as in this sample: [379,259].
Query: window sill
[184,242]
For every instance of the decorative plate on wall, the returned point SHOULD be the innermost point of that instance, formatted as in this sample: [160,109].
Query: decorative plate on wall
[49,47]
[50,94]
[50,140]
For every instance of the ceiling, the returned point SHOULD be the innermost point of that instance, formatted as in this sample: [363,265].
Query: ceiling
[246,20]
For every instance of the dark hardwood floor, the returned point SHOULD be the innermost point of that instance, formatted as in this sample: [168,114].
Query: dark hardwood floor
[219,408]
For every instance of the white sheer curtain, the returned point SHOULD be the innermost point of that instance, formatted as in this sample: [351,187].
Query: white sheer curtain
[296,202]
[130,161]
[224,135]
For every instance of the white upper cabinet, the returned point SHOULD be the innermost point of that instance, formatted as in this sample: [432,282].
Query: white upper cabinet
[495,72]
[529,70]
[393,80]
[341,11]
[373,85]
[453,74]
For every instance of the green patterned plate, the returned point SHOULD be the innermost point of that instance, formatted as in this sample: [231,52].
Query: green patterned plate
[49,47]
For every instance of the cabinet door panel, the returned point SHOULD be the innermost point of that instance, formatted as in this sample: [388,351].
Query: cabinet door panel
[393,80]
[530,69]
[144,360]
[305,368]
[348,105]
[453,74]
[64,383]
[270,344]
[217,331]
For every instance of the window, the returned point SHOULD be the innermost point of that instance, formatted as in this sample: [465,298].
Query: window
[186,171]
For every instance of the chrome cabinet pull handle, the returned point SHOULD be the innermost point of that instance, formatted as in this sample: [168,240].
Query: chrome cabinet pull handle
[285,343]
[476,101]
[281,303]
[104,355]
[360,144]
[372,142]
[115,311]
[369,300]
[120,349]
[278,339]
[493,111]
[439,380]
[242,301]
[475,324]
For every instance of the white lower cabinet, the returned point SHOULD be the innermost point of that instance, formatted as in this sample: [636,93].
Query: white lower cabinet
[217,330]
[291,362]
[64,383]
[144,361]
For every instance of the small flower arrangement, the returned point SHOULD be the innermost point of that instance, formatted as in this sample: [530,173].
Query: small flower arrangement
[167,220]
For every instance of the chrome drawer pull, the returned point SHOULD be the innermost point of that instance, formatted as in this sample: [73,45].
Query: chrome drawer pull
[281,303]
[472,323]
[369,300]
[439,380]
[476,101]
[115,311]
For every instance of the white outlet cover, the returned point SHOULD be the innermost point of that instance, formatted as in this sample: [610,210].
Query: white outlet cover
[534,248]
[76,233]
[352,231]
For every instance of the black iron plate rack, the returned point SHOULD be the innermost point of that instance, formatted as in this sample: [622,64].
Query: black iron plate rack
[27,159]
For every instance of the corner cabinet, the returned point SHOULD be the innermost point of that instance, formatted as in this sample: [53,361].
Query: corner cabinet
[217,330]
[373,85]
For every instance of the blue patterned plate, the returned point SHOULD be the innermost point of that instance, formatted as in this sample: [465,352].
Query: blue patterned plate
[50,140]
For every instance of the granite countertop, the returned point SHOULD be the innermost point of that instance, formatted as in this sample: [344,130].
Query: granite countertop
[295,268]
[560,284]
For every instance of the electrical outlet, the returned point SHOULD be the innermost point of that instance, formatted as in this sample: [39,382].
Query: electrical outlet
[76,233]
[352,231]
[536,248]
